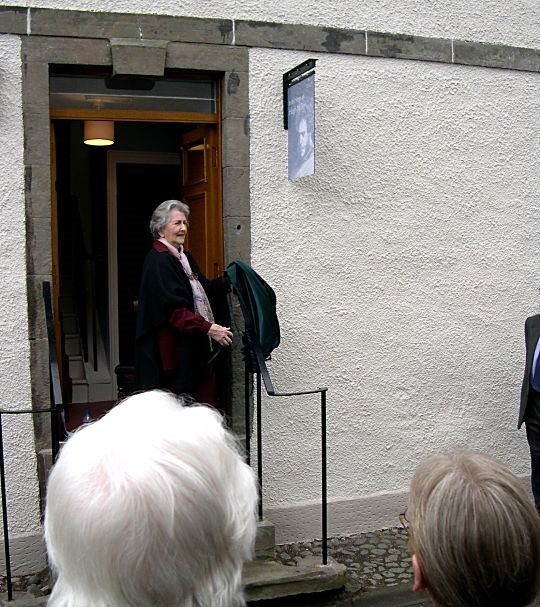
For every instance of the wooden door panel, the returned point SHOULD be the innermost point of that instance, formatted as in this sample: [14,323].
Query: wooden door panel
[197,233]
[194,163]
[201,190]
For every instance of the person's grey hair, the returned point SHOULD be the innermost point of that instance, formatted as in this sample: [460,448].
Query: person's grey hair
[150,505]
[160,216]
[475,532]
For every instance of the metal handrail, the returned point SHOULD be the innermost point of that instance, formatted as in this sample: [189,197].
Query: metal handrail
[257,361]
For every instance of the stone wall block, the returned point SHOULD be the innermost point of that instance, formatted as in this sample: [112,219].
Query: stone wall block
[207,57]
[36,307]
[38,191]
[235,94]
[300,37]
[495,55]
[238,374]
[143,58]
[39,245]
[236,192]
[36,87]
[237,236]
[236,142]
[13,20]
[36,136]
[39,369]
[72,51]
[399,46]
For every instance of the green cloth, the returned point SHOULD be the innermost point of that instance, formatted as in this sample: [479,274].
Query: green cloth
[258,302]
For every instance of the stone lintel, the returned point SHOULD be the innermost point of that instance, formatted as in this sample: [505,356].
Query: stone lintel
[74,51]
[86,24]
[207,57]
[102,25]
[13,20]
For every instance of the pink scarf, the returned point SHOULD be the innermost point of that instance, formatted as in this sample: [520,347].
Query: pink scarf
[200,299]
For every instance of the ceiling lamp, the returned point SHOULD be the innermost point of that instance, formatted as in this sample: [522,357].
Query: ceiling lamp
[98,132]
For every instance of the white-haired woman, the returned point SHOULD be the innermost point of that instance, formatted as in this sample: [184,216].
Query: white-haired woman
[474,533]
[175,321]
[161,515]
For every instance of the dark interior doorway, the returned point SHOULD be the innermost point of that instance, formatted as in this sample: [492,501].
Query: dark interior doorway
[140,188]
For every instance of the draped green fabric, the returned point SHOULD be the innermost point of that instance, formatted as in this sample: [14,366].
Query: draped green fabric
[258,302]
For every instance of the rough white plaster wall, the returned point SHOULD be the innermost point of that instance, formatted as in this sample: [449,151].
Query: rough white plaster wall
[21,467]
[404,269]
[516,23]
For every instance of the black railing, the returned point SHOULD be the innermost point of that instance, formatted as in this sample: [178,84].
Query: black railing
[255,363]
[54,410]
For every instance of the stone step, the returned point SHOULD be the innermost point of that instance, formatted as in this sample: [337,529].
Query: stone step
[265,543]
[267,579]
[76,367]
[70,324]
[72,344]
[79,390]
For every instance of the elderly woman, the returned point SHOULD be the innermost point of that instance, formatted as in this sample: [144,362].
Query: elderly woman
[474,533]
[175,322]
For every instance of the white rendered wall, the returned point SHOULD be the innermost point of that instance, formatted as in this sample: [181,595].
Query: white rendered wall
[404,270]
[516,23]
[15,393]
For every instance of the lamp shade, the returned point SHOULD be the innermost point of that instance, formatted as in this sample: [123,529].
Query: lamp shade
[98,132]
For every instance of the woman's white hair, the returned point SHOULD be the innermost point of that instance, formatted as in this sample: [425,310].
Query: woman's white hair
[475,532]
[150,506]
[160,215]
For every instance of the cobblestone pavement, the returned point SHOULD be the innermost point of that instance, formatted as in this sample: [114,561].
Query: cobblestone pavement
[372,559]
[378,574]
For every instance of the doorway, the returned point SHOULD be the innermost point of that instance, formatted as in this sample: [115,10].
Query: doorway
[105,198]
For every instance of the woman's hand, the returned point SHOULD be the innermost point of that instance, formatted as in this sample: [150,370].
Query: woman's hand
[222,335]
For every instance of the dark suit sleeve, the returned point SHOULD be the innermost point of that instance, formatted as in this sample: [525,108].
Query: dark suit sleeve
[526,375]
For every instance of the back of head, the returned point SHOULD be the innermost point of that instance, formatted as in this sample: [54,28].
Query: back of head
[151,505]
[474,531]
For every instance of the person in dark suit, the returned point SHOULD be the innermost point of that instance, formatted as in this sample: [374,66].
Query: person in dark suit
[529,411]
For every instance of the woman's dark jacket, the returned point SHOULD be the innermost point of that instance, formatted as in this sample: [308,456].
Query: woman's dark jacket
[169,332]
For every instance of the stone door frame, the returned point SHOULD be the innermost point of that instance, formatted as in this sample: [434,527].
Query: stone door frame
[39,52]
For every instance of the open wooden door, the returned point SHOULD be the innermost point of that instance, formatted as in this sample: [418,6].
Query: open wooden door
[201,190]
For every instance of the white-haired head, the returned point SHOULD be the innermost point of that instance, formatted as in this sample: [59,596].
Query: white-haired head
[150,506]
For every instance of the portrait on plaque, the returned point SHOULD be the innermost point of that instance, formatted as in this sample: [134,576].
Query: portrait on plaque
[301,127]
